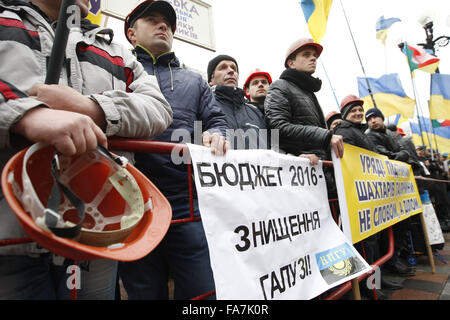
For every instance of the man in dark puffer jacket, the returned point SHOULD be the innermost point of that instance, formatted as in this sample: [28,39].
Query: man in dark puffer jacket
[292,107]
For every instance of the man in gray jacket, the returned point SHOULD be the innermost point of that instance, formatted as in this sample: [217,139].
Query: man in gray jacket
[103,91]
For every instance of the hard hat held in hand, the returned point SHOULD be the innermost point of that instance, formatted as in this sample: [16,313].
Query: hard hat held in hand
[84,207]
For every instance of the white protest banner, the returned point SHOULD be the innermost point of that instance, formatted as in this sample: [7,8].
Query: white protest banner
[433,227]
[269,227]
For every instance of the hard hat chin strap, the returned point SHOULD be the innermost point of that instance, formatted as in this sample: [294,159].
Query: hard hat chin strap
[53,219]
[52,216]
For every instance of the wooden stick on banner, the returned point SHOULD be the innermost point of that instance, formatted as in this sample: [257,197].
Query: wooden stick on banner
[355,289]
[427,243]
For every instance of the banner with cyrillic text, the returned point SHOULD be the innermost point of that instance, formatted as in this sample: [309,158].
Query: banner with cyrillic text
[269,227]
[374,192]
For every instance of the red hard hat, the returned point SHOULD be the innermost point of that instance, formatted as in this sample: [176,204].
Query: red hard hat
[350,99]
[297,44]
[122,215]
[401,132]
[163,7]
[331,116]
[257,72]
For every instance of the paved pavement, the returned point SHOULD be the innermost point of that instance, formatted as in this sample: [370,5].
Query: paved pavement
[425,285]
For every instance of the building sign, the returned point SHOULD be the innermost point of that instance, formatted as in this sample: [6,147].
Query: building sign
[194,19]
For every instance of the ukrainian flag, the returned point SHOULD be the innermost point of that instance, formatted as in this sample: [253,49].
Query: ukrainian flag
[316,15]
[382,27]
[389,95]
[95,15]
[439,136]
[440,96]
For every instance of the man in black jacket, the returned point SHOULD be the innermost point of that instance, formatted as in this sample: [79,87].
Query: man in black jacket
[248,129]
[292,107]
[384,140]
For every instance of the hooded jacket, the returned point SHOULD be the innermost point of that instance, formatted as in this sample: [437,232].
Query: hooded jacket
[94,66]
[241,115]
[193,106]
[292,107]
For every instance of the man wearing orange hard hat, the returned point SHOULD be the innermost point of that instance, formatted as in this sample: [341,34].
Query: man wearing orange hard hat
[292,106]
[256,87]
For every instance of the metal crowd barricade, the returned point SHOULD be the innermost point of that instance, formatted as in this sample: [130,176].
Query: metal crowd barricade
[147,146]
[339,291]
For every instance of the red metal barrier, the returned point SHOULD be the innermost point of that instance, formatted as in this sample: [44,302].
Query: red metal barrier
[344,288]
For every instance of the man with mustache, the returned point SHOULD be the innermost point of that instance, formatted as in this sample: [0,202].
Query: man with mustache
[102,91]
[244,120]
[183,253]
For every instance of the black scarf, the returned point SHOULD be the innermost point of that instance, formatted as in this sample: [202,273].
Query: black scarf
[302,79]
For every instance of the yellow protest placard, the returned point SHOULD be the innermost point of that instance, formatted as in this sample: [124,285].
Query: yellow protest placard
[374,192]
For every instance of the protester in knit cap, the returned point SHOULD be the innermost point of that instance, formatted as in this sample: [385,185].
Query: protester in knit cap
[245,119]
[374,112]
[212,65]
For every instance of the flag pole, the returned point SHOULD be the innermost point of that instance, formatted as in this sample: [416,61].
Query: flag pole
[329,81]
[429,105]
[434,135]
[359,57]
[419,114]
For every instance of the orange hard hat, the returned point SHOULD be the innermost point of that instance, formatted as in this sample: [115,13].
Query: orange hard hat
[255,73]
[85,207]
[300,43]
[401,132]
[331,116]
[350,99]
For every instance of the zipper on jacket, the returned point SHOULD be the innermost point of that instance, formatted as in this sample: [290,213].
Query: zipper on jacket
[154,60]
[171,75]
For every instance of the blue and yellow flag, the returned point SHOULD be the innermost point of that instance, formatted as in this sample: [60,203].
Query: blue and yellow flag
[439,135]
[316,16]
[382,27]
[389,95]
[95,15]
[440,96]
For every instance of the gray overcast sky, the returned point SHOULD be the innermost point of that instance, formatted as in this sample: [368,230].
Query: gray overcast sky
[258,32]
